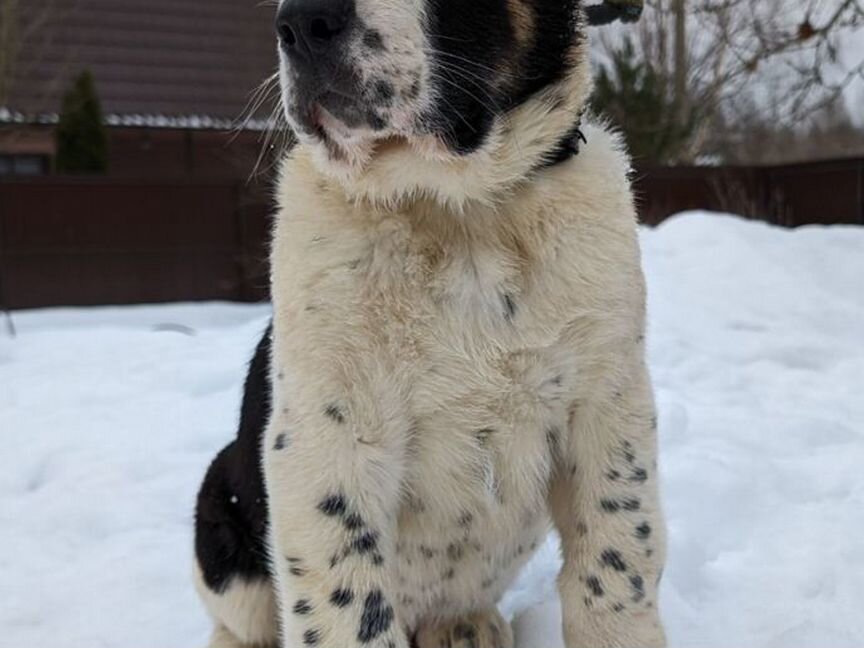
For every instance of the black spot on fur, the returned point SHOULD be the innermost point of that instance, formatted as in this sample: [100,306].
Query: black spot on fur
[280,443]
[631,504]
[450,574]
[353,522]
[643,531]
[377,559]
[311,637]
[618,607]
[383,92]
[296,570]
[612,558]
[376,619]
[627,452]
[333,505]
[610,505]
[466,520]
[484,434]
[334,412]
[509,307]
[613,475]
[342,597]
[372,39]
[426,552]
[553,436]
[639,475]
[366,542]
[376,122]
[302,607]
[595,586]
[413,90]
[638,585]
[455,551]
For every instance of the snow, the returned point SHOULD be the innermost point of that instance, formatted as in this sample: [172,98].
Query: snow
[109,416]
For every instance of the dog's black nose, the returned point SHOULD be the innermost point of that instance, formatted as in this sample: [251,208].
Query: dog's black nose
[309,27]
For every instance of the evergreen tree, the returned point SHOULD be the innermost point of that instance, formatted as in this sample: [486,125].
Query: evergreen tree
[639,100]
[82,142]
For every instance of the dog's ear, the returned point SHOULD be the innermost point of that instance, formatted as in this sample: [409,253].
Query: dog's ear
[627,11]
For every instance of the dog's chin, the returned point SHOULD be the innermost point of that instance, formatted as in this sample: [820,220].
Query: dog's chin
[350,152]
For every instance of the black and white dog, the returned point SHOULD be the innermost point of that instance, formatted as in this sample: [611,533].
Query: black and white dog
[456,360]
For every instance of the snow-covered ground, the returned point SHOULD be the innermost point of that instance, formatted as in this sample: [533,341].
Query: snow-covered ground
[108,418]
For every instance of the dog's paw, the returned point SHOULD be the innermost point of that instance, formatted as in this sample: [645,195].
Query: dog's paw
[485,629]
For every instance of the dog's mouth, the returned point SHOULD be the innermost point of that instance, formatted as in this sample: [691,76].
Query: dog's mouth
[352,135]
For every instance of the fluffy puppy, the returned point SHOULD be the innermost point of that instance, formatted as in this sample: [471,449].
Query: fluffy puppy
[457,354]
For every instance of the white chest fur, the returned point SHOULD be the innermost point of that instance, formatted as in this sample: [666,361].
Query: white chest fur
[459,342]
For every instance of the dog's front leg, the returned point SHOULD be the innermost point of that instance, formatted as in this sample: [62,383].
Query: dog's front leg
[604,502]
[333,471]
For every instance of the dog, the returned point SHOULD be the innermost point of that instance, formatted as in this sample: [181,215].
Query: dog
[456,358]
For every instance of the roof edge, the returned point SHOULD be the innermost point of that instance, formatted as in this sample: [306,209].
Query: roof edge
[178,122]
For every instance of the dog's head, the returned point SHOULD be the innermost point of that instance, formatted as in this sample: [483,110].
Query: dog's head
[454,98]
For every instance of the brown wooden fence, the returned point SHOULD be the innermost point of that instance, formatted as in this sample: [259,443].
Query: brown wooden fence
[109,241]
[826,193]
[87,241]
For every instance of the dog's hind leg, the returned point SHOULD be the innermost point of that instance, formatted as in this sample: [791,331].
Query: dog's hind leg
[244,614]
[224,638]
[231,573]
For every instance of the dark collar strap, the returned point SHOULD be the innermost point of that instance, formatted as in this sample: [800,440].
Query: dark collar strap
[612,10]
[566,148]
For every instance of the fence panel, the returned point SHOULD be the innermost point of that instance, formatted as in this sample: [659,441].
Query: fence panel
[83,242]
[113,241]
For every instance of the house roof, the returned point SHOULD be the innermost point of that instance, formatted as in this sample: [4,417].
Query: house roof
[180,63]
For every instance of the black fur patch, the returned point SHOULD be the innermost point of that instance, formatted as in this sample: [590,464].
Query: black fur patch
[479,78]
[302,607]
[637,583]
[612,558]
[366,542]
[333,505]
[377,617]
[231,510]
[639,475]
[342,598]
[643,531]
[334,412]
[353,522]
[372,39]
[595,586]
[610,505]
[631,504]
[509,307]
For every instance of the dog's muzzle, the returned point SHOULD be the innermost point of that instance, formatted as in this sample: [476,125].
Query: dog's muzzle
[314,37]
